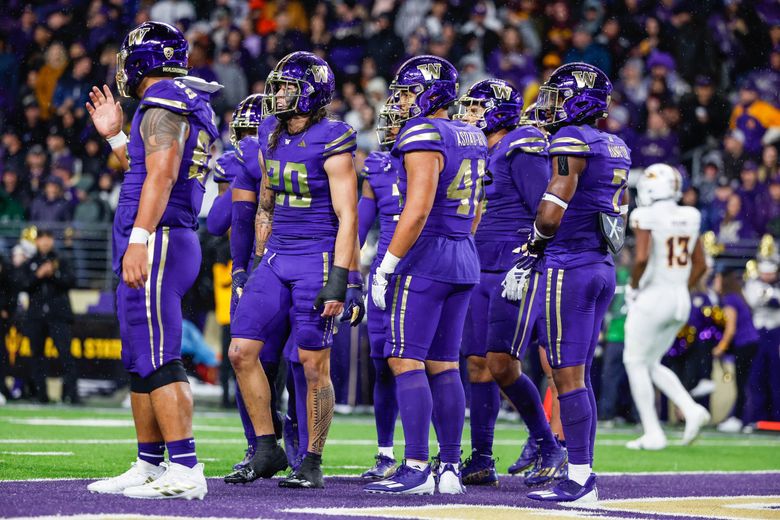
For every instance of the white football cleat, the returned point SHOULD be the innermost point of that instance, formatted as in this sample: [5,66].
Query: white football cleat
[647,442]
[694,424]
[448,477]
[178,481]
[730,425]
[140,473]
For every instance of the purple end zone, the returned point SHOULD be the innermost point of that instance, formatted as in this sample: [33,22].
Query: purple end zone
[264,499]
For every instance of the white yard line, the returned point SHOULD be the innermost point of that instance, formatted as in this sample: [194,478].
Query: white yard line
[39,453]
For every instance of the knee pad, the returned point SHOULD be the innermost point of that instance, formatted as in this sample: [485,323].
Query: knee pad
[167,374]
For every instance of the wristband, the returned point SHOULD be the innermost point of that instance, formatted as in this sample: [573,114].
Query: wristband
[549,197]
[139,236]
[389,263]
[117,141]
[539,235]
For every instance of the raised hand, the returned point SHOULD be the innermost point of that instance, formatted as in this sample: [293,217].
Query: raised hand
[106,113]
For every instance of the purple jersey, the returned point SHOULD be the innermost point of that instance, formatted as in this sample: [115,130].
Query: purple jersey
[187,193]
[226,167]
[381,172]
[599,190]
[518,172]
[746,332]
[445,250]
[304,220]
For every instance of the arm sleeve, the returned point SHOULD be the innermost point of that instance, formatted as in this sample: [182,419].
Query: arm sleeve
[243,233]
[366,217]
[220,214]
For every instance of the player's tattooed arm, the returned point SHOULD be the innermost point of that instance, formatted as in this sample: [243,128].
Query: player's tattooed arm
[164,134]
[264,216]
[323,403]
[559,192]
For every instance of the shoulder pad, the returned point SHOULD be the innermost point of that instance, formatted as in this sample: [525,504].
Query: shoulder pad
[641,218]
[419,133]
[173,95]
[338,138]
[526,139]
[569,140]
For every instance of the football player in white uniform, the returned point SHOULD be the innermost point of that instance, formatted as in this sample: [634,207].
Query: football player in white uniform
[669,260]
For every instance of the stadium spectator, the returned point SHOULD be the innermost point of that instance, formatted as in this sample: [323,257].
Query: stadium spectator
[171,11]
[740,339]
[511,62]
[13,154]
[657,144]
[769,166]
[734,155]
[72,88]
[47,277]
[51,205]
[704,116]
[585,49]
[48,76]
[13,199]
[753,116]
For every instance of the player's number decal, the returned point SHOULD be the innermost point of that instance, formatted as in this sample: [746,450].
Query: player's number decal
[292,185]
[466,185]
[677,251]
[619,177]
[200,156]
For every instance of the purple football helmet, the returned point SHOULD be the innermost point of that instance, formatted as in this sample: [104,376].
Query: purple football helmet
[574,94]
[388,123]
[152,47]
[433,82]
[490,104]
[300,83]
[248,114]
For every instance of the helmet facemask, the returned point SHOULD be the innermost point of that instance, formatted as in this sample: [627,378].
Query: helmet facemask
[121,75]
[472,111]
[549,105]
[389,123]
[283,94]
[405,98]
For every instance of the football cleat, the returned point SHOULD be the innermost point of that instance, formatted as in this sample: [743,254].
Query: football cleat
[527,458]
[178,481]
[547,467]
[730,425]
[384,466]
[479,470]
[307,476]
[265,463]
[405,481]
[569,491]
[448,479]
[140,472]
[647,442]
[694,424]
[248,454]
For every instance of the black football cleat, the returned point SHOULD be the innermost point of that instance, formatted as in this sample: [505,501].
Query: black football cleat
[265,463]
[307,476]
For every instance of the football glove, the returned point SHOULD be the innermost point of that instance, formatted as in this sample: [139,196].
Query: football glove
[515,283]
[379,282]
[237,288]
[354,307]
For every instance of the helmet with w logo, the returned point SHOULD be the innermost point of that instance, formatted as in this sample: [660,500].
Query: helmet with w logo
[423,85]
[491,104]
[574,94]
[300,83]
[149,49]
[248,114]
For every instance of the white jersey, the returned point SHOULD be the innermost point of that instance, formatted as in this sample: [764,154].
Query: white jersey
[674,231]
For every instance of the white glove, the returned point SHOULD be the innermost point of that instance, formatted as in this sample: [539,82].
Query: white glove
[515,283]
[379,281]
[378,289]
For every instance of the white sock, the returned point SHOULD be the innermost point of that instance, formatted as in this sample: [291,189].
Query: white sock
[579,473]
[668,382]
[644,397]
[387,452]
[416,464]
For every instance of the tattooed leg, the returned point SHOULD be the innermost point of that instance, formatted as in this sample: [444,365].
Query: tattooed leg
[320,398]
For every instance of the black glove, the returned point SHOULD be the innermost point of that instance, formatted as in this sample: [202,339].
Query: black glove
[335,289]
[256,261]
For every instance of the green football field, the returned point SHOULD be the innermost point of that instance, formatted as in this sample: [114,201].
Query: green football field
[57,442]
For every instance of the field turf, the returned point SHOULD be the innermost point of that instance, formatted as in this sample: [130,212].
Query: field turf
[60,442]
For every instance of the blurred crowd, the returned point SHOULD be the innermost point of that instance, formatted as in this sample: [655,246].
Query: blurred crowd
[697,85]
[697,82]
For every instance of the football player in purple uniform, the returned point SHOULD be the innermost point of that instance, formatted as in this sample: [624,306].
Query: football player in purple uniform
[308,196]
[381,198]
[579,224]
[430,268]
[498,330]
[155,249]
